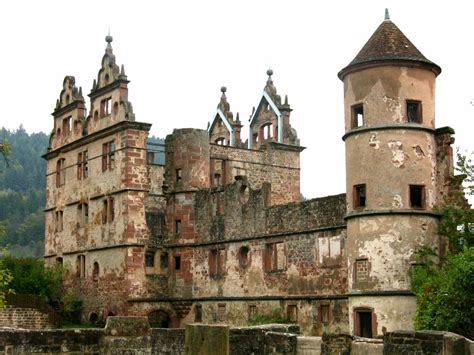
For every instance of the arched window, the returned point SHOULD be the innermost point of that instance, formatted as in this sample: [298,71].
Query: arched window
[159,319]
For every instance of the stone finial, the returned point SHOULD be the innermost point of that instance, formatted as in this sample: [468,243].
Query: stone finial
[224,105]
[271,89]
[237,118]
[286,100]
[122,70]
[387,15]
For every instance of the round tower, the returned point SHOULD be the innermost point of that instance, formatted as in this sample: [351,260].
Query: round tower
[389,109]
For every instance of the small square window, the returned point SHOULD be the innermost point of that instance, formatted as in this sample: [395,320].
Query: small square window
[417,196]
[150,258]
[414,111]
[357,119]
[359,196]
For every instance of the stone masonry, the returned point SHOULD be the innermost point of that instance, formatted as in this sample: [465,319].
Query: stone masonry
[211,227]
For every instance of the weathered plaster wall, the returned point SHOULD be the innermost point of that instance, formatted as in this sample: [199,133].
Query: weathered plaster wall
[391,312]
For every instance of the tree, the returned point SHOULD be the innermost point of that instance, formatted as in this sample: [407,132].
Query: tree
[444,286]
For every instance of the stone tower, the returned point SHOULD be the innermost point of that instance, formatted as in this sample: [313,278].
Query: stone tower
[394,174]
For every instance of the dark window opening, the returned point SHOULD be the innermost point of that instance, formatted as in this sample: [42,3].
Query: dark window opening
[82,165]
[217,261]
[414,111]
[417,196]
[60,172]
[150,258]
[81,266]
[365,324]
[93,318]
[108,212]
[177,262]
[221,312]
[83,214]
[198,313]
[108,156]
[59,261]
[359,196]
[275,258]
[178,175]
[244,256]
[357,119]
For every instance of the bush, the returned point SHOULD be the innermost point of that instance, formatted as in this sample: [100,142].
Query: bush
[445,294]
[276,316]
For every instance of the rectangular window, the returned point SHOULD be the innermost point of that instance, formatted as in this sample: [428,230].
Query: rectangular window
[108,210]
[417,196]
[177,262]
[291,313]
[83,214]
[221,312]
[359,196]
[108,156]
[150,157]
[216,261]
[60,172]
[357,119]
[82,167]
[67,125]
[150,258]
[164,261]
[177,227]
[275,258]
[414,111]
[198,313]
[179,176]
[324,313]
[106,107]
[59,221]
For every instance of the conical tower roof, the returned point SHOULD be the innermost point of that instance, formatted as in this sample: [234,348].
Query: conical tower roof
[388,44]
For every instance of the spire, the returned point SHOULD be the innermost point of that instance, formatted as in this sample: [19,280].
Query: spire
[224,105]
[271,90]
[109,40]
[388,44]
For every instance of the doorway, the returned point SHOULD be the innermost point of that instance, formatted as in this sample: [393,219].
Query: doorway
[363,322]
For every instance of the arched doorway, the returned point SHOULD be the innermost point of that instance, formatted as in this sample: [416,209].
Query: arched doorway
[159,319]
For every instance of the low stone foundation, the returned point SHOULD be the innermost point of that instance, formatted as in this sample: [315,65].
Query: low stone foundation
[25,318]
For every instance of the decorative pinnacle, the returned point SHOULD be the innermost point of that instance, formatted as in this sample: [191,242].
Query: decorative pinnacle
[109,38]
[223,89]
[387,15]
[269,72]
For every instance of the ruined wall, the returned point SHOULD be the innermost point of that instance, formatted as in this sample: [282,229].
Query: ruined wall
[274,163]
[24,318]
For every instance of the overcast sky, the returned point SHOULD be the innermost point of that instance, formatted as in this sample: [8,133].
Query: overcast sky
[177,55]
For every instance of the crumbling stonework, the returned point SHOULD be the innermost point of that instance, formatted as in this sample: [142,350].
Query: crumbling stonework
[207,227]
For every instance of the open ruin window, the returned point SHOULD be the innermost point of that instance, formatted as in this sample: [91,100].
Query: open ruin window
[359,196]
[83,214]
[58,220]
[82,165]
[414,114]
[67,125]
[267,131]
[417,196]
[164,261]
[108,156]
[357,118]
[81,266]
[275,258]
[108,210]
[221,141]
[255,138]
[106,107]
[244,256]
[60,172]
[198,313]
[59,261]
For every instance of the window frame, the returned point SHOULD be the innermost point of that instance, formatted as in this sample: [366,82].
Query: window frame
[355,115]
[357,196]
[422,196]
[419,111]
